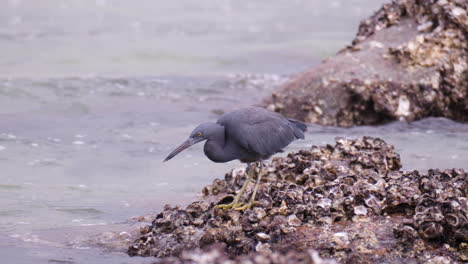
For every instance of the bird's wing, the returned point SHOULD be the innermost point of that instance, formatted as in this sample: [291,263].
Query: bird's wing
[263,133]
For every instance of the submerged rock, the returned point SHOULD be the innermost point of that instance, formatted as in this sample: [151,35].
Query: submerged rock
[348,202]
[408,61]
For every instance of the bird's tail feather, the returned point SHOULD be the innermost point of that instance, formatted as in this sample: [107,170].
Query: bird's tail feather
[302,126]
[299,128]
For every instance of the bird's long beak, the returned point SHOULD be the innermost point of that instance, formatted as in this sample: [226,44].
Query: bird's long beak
[187,143]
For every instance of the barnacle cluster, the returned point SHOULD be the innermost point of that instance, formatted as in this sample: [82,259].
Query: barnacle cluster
[349,201]
[442,44]
[408,61]
[216,254]
[440,212]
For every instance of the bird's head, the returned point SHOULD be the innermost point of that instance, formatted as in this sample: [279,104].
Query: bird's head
[200,133]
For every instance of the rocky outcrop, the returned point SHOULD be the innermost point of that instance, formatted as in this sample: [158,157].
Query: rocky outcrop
[408,61]
[348,203]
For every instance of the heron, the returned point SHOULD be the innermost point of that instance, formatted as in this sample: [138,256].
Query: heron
[251,135]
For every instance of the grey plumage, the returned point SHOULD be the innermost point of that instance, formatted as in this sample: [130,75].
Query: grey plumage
[249,134]
[258,132]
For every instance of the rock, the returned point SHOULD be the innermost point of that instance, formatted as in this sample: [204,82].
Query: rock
[294,221]
[263,236]
[263,248]
[408,61]
[349,202]
[217,255]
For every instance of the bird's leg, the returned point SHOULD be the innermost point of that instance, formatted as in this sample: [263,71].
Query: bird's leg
[254,193]
[235,203]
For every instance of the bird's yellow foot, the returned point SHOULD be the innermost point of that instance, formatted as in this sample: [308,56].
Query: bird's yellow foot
[233,205]
[246,206]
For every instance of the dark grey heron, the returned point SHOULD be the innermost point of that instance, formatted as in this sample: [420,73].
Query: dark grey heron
[250,135]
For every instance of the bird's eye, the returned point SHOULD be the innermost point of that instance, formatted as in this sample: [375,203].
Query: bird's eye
[199,134]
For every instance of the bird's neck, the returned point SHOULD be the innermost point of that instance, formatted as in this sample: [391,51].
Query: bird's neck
[215,146]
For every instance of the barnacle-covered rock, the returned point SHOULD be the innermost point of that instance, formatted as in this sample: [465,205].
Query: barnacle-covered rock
[348,201]
[408,61]
[440,213]
[216,255]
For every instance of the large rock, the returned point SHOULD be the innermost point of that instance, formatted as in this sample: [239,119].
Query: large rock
[408,61]
[348,202]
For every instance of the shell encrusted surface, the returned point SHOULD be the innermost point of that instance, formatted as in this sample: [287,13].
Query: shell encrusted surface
[349,203]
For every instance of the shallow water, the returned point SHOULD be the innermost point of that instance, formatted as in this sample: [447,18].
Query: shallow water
[51,38]
[81,147]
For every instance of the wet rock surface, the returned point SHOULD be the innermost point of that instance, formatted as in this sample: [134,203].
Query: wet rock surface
[408,61]
[217,254]
[348,203]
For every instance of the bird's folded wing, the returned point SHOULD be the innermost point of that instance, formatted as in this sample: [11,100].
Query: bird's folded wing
[265,137]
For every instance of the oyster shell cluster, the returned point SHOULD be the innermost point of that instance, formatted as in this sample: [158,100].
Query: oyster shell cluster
[348,202]
[408,61]
[441,44]
[440,211]
[217,254]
